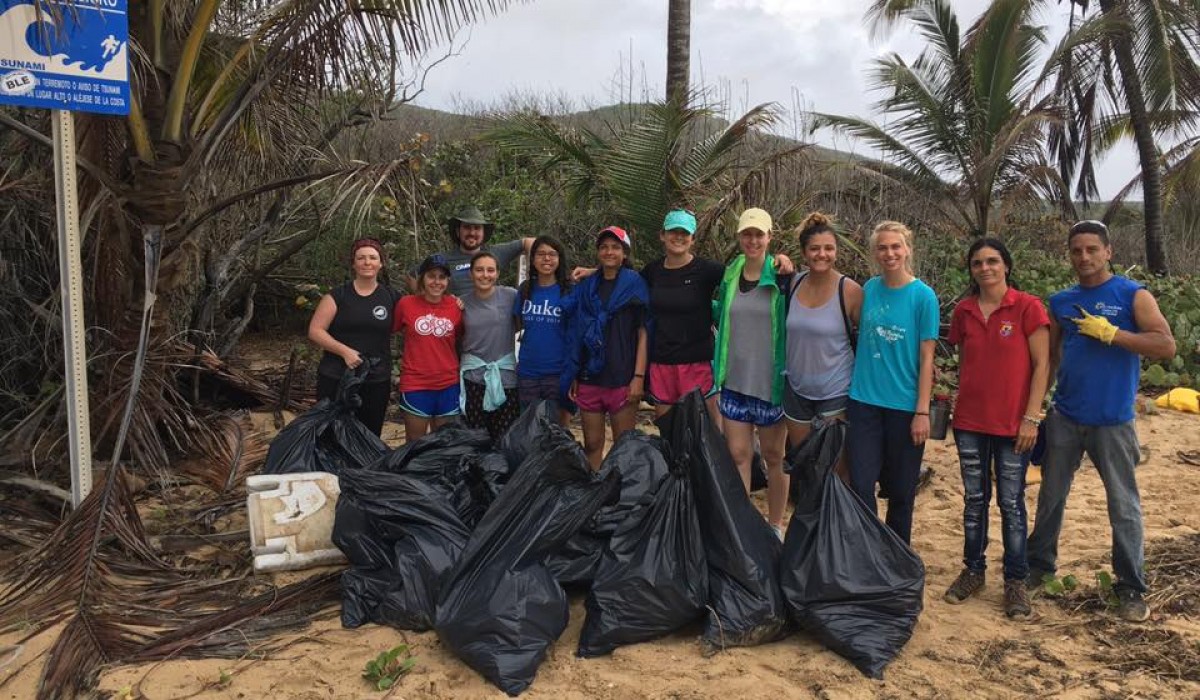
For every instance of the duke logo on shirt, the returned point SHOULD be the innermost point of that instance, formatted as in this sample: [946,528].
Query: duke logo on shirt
[540,309]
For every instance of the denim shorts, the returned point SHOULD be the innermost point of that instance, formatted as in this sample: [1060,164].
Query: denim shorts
[748,409]
[431,403]
[802,410]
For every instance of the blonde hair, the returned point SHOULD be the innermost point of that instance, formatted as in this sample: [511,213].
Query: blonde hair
[906,235]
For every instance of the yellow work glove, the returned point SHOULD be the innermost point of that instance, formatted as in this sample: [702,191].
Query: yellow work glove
[1097,327]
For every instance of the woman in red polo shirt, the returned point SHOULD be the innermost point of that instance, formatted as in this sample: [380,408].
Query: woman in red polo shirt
[1004,345]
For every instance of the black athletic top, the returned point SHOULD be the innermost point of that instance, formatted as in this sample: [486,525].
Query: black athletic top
[365,324]
[681,303]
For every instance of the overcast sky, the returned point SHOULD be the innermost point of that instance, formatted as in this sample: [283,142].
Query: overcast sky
[811,53]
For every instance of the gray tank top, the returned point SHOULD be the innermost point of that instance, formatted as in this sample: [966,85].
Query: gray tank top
[820,361]
[751,358]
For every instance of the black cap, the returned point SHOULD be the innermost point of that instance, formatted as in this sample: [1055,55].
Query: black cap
[434,262]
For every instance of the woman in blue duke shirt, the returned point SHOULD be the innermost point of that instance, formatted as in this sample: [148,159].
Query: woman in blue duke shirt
[542,305]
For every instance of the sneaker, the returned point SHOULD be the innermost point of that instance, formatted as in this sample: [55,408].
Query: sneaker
[1131,606]
[966,585]
[1016,599]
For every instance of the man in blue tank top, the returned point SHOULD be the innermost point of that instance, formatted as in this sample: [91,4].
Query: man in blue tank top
[1099,330]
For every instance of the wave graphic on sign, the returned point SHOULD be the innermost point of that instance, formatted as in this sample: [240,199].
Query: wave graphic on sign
[82,46]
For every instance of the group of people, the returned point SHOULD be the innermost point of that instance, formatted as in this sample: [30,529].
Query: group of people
[776,351]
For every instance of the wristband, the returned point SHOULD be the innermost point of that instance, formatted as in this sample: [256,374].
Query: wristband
[921,413]
[639,376]
[1033,420]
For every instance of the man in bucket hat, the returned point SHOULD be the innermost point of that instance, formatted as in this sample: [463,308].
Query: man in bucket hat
[470,232]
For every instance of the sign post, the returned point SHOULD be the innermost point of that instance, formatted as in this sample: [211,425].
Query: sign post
[67,57]
[71,286]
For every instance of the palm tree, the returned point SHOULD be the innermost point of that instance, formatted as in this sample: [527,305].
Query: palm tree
[226,104]
[1153,44]
[671,155]
[679,46]
[231,102]
[965,121]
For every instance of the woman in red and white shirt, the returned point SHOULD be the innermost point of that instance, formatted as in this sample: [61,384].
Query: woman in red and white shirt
[431,324]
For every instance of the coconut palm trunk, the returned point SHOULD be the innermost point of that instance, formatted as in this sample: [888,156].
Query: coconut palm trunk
[1143,137]
[679,46]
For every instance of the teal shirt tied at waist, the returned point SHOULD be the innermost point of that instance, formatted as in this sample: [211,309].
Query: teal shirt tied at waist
[493,381]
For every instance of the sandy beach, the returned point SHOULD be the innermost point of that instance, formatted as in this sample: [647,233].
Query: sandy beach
[1069,649]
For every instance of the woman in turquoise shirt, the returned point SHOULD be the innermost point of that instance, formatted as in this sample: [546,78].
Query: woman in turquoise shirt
[893,378]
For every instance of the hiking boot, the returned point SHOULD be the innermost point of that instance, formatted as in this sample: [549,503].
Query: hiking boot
[1016,599]
[966,585]
[1131,607]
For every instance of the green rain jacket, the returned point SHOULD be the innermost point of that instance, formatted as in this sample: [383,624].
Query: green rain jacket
[724,300]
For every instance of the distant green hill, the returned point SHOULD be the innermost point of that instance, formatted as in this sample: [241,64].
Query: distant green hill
[448,126]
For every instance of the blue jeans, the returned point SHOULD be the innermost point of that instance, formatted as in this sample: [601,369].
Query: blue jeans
[1114,450]
[879,449]
[979,455]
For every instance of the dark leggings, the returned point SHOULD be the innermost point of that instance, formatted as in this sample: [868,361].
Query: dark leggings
[374,396]
[880,450]
[495,422]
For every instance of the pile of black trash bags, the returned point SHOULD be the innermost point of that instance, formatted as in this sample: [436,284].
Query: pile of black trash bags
[476,540]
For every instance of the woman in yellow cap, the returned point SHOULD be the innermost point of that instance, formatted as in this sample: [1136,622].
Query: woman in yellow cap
[747,371]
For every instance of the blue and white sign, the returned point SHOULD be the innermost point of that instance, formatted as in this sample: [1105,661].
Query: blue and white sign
[72,56]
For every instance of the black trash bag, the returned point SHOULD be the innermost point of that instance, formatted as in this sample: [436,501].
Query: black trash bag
[741,549]
[849,580]
[652,578]
[500,608]
[526,433]
[486,474]
[443,458]
[438,456]
[758,471]
[328,437]
[401,535]
[639,459]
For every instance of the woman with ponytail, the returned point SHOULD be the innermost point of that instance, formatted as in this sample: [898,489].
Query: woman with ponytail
[823,306]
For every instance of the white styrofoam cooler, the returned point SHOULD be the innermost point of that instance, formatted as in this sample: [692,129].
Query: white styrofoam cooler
[291,520]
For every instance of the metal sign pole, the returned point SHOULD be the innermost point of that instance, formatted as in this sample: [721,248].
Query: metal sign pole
[71,283]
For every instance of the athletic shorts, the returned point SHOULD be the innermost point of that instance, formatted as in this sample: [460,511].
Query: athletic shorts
[601,399]
[801,410]
[670,383]
[431,403]
[748,409]
[530,390]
